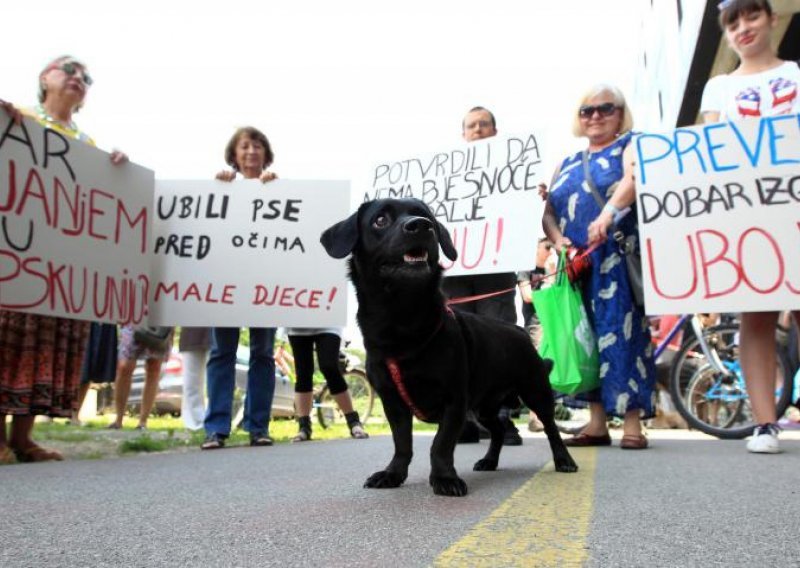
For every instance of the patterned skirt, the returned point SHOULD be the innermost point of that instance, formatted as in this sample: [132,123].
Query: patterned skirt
[40,363]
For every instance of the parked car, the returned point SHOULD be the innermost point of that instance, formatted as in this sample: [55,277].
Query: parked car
[170,389]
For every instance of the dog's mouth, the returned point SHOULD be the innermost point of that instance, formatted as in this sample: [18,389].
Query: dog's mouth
[415,256]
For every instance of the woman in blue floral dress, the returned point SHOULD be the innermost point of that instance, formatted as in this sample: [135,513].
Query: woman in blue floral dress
[573,217]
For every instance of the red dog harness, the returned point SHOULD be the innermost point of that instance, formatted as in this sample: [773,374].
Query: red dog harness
[393,364]
[397,379]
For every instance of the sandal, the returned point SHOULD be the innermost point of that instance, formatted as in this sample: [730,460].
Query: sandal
[633,442]
[357,431]
[583,439]
[7,456]
[114,426]
[213,442]
[34,454]
[302,436]
[261,440]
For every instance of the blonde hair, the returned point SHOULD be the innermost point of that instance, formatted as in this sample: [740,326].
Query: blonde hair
[42,94]
[618,99]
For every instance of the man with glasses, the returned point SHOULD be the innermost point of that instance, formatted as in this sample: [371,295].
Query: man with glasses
[479,123]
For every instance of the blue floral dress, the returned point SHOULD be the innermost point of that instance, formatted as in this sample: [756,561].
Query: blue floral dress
[627,370]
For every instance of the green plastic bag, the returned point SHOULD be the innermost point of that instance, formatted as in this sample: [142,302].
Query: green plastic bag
[567,336]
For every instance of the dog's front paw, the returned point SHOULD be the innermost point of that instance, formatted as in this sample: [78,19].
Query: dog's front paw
[384,480]
[448,486]
[565,464]
[485,464]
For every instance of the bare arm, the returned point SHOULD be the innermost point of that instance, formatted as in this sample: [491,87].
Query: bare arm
[624,196]
[551,229]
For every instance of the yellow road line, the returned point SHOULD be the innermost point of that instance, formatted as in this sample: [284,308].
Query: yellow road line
[544,523]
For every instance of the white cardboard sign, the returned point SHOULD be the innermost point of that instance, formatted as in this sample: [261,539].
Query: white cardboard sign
[485,192]
[74,228]
[719,216]
[244,253]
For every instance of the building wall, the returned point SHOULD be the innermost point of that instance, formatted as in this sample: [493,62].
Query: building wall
[670,30]
[682,47]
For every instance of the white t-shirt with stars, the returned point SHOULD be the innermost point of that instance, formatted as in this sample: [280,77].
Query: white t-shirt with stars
[768,93]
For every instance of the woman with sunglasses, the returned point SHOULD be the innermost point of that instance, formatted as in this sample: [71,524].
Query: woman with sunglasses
[41,357]
[762,85]
[573,218]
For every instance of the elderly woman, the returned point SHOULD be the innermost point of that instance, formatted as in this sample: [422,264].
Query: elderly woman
[41,356]
[249,153]
[748,26]
[573,217]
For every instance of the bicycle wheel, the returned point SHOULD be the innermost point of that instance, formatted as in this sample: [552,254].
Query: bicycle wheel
[361,393]
[713,401]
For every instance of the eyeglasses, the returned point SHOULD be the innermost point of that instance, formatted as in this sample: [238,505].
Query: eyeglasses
[724,4]
[605,109]
[71,68]
[477,124]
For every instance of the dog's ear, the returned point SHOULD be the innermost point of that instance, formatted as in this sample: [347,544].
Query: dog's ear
[446,242]
[340,239]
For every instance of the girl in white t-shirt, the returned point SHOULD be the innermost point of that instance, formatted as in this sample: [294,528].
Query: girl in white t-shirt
[762,85]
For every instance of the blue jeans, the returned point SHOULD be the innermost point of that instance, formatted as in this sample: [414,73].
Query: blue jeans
[221,380]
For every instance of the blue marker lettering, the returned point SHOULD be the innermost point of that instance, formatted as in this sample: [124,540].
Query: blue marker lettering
[642,160]
[712,148]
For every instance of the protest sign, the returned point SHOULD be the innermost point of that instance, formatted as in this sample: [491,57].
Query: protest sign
[719,216]
[244,253]
[484,192]
[73,228]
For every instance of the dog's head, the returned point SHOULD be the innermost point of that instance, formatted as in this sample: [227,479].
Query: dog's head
[392,238]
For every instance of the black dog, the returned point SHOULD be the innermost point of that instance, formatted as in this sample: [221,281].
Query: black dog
[425,359]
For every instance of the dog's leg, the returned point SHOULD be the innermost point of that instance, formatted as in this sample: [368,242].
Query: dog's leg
[538,396]
[491,422]
[399,417]
[443,477]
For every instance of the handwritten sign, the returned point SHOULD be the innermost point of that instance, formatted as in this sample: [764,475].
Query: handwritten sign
[484,192]
[719,216]
[244,253]
[73,228]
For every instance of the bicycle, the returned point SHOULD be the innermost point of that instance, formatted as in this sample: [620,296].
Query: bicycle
[706,381]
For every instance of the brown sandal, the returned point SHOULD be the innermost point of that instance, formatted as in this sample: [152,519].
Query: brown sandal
[583,439]
[37,454]
[7,456]
[633,442]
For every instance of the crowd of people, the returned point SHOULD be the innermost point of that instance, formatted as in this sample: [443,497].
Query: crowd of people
[47,363]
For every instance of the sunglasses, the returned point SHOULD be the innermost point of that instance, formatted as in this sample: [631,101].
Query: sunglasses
[605,109]
[71,68]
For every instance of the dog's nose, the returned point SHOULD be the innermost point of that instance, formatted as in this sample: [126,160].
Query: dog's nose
[417,225]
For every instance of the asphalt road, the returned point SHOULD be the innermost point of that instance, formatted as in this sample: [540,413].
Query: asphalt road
[688,501]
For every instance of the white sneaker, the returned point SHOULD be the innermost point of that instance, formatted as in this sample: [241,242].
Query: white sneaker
[764,440]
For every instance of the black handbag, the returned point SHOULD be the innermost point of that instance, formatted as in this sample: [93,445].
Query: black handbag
[157,338]
[628,244]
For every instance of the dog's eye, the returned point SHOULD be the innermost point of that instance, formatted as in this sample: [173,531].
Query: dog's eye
[381,221]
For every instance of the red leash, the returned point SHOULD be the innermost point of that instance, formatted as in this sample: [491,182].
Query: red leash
[466,299]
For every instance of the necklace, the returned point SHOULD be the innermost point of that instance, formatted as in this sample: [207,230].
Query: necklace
[70,129]
[43,114]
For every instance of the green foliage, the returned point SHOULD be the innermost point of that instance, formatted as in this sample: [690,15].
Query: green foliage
[145,443]
[93,440]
